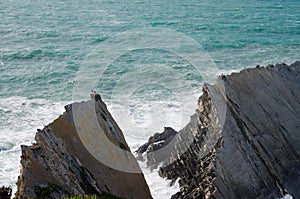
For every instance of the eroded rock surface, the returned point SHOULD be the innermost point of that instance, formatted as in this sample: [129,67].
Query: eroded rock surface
[156,142]
[244,139]
[61,164]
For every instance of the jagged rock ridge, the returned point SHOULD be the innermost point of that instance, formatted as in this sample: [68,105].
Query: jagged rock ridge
[59,164]
[246,138]
[156,142]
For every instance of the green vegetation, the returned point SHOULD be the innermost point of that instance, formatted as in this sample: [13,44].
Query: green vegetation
[103,195]
[103,117]
[85,185]
[80,197]
[240,124]
[44,192]
[284,66]
[122,146]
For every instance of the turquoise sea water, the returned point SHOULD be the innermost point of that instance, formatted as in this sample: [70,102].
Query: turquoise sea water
[43,45]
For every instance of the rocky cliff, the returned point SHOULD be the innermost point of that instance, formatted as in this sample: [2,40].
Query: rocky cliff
[83,152]
[242,142]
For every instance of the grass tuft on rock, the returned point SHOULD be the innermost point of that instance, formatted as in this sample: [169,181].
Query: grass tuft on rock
[44,192]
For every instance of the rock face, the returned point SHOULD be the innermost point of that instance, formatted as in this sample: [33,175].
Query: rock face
[244,139]
[156,142]
[61,163]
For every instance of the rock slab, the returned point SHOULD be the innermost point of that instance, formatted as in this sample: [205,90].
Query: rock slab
[60,164]
[245,138]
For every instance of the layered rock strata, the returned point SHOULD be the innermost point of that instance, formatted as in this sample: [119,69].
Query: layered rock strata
[66,158]
[244,139]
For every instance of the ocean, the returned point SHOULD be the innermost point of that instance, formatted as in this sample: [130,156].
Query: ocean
[147,59]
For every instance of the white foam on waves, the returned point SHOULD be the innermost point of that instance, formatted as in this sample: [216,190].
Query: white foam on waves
[141,123]
[287,196]
[160,188]
[19,119]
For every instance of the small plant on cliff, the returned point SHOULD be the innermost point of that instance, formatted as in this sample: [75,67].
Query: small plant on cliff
[240,124]
[80,197]
[45,192]
[103,117]
[103,195]
[122,146]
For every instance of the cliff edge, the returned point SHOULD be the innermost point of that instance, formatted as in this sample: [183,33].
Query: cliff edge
[242,142]
[65,160]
